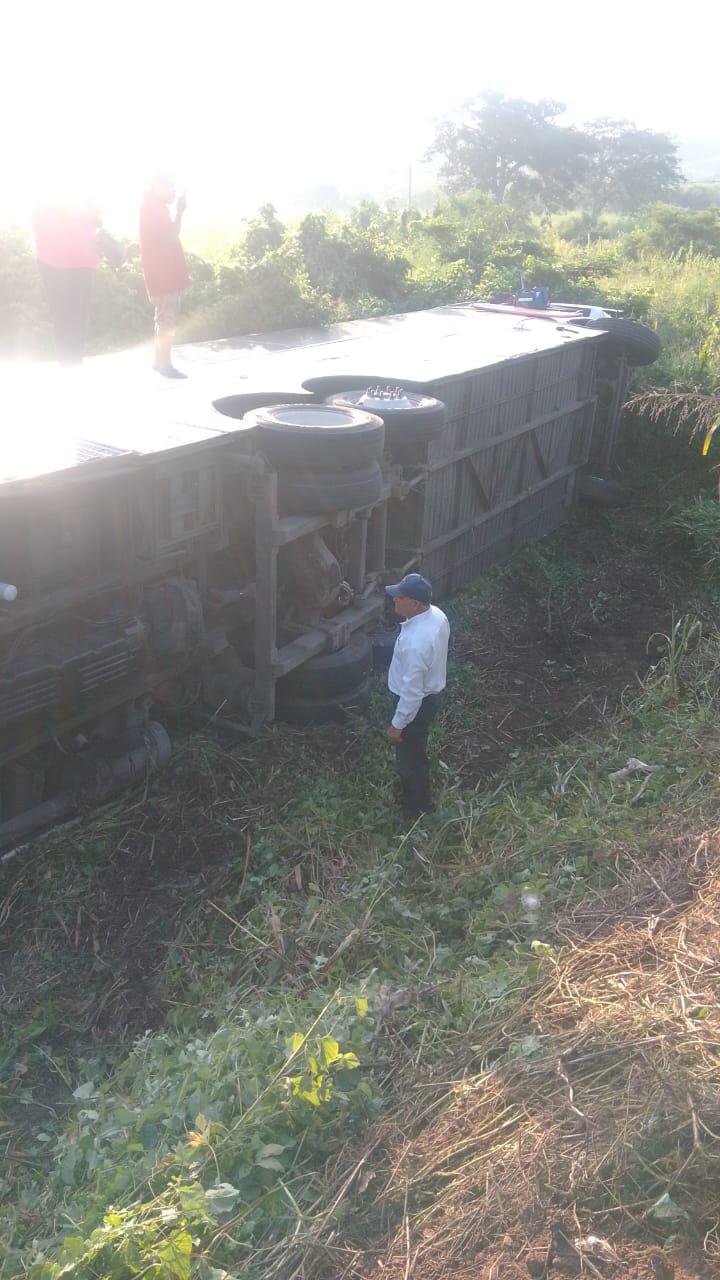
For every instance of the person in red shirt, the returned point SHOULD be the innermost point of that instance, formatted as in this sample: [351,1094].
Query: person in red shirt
[164,266]
[67,255]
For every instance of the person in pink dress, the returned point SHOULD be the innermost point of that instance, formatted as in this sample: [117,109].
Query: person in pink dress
[164,266]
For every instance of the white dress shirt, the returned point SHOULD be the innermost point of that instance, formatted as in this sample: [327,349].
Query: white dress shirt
[419,662]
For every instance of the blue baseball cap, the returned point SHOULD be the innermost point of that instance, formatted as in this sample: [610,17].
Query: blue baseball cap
[413,586]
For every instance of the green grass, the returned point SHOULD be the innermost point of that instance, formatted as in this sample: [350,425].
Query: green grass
[214,1098]
[680,297]
[323,960]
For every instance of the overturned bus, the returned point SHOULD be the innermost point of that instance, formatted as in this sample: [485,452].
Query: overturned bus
[217,548]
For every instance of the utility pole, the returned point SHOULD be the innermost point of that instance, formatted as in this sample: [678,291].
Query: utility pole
[409,202]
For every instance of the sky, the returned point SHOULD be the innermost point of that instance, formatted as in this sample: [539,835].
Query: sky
[248,103]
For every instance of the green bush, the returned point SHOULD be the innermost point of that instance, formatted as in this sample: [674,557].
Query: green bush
[234,1120]
[664,228]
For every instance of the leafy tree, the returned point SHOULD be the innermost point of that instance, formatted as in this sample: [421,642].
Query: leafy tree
[517,151]
[263,234]
[627,167]
[503,145]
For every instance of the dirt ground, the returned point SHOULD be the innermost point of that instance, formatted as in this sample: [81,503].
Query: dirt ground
[549,668]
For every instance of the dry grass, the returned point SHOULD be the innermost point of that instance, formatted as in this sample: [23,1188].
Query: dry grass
[694,411]
[599,1096]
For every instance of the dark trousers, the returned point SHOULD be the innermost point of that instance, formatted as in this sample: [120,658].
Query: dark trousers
[68,294]
[413,765]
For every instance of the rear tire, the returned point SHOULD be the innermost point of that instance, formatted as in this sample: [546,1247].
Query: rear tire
[309,711]
[330,674]
[316,492]
[639,344]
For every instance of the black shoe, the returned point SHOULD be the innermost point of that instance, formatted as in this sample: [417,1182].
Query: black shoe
[169,371]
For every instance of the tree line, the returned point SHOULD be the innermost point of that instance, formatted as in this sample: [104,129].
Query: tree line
[518,151]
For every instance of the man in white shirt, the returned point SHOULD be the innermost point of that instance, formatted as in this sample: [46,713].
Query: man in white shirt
[417,677]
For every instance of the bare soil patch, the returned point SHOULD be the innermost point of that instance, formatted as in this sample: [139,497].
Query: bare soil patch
[549,665]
